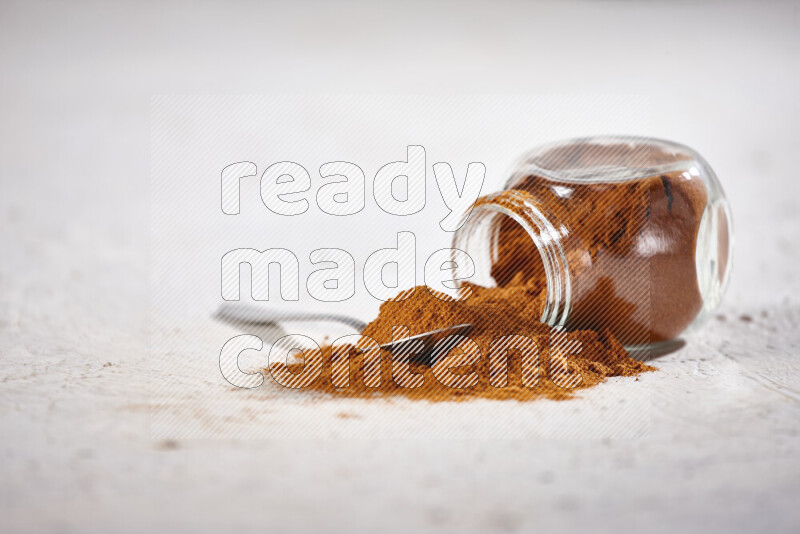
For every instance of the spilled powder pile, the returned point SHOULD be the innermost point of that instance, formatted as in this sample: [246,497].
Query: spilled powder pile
[494,312]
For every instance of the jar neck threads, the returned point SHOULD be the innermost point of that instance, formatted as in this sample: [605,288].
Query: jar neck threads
[480,237]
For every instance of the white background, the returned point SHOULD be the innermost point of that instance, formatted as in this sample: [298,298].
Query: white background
[722,442]
[194,138]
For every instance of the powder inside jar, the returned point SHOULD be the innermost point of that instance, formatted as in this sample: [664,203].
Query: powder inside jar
[629,244]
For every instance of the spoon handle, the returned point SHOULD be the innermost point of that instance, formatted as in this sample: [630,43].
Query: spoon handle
[238,313]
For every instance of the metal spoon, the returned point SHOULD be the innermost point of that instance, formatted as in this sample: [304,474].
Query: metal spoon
[418,347]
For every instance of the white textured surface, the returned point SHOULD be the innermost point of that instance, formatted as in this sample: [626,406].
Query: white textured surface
[722,449]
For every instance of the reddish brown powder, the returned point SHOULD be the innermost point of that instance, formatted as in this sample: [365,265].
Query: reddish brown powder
[630,247]
[497,312]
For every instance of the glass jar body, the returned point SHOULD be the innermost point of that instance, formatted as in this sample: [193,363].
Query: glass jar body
[627,234]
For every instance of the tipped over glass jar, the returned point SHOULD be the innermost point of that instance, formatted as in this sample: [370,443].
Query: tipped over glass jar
[627,234]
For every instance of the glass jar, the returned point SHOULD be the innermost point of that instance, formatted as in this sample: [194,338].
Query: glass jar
[627,234]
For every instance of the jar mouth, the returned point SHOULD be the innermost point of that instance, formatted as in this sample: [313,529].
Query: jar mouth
[479,238]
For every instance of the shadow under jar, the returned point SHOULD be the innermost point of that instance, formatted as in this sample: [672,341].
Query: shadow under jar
[620,233]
